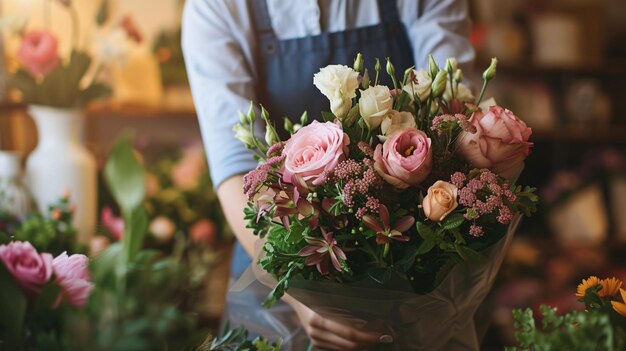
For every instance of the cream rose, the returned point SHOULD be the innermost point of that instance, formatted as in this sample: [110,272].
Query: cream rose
[395,121]
[420,85]
[338,83]
[463,93]
[374,104]
[440,200]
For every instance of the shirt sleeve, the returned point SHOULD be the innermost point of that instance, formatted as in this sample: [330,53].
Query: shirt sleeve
[221,83]
[441,28]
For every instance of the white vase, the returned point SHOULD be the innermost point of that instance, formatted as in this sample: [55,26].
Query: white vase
[61,165]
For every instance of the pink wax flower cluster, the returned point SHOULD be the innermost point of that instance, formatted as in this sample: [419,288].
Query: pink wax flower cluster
[32,270]
[394,181]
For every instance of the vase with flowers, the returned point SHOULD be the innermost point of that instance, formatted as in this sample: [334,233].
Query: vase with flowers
[56,88]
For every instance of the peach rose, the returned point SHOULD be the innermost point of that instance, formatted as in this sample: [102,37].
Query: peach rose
[314,151]
[405,158]
[499,144]
[38,53]
[204,231]
[440,200]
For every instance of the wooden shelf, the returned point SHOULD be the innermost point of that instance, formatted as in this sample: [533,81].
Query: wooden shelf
[114,110]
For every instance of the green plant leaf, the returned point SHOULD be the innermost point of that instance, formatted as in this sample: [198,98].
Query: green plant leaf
[93,92]
[426,246]
[380,275]
[454,220]
[103,13]
[328,116]
[12,310]
[125,177]
[469,254]
[26,84]
[425,231]
[135,234]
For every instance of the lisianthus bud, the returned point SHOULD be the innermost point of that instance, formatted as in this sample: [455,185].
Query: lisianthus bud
[265,114]
[244,135]
[433,69]
[377,66]
[458,76]
[390,69]
[490,72]
[242,118]
[251,114]
[358,63]
[304,118]
[451,65]
[288,125]
[365,81]
[271,137]
[439,83]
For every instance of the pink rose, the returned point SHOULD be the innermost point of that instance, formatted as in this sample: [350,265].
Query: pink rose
[72,275]
[405,158]
[440,200]
[38,53]
[186,173]
[203,231]
[314,151]
[499,144]
[30,269]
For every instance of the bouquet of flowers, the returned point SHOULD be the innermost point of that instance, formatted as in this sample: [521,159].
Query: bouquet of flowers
[399,195]
[601,326]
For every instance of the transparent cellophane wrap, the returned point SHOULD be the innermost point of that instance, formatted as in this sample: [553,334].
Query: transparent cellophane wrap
[440,320]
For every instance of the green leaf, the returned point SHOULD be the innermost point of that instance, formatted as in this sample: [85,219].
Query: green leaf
[135,232]
[26,84]
[103,13]
[46,299]
[380,275]
[125,177]
[407,258]
[426,246]
[425,231]
[469,254]
[12,310]
[454,220]
[93,92]
[328,116]
[296,229]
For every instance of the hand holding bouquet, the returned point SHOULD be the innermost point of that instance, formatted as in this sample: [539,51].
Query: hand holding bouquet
[393,190]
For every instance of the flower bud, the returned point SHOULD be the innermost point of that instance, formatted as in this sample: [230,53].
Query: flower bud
[408,74]
[358,63]
[251,114]
[304,118]
[271,137]
[244,135]
[265,115]
[288,125]
[390,69]
[458,76]
[433,69]
[377,66]
[365,81]
[490,72]
[451,65]
[242,118]
[439,83]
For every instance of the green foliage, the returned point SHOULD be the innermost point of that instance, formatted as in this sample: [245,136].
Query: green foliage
[576,330]
[61,87]
[237,340]
[52,233]
[12,311]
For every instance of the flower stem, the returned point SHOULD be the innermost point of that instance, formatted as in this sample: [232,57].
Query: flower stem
[482,92]
[75,25]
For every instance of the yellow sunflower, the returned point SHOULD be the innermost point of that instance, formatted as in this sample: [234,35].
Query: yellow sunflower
[610,287]
[586,284]
[620,307]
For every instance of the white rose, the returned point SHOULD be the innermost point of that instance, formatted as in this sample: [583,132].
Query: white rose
[463,93]
[162,229]
[420,85]
[338,83]
[396,121]
[374,104]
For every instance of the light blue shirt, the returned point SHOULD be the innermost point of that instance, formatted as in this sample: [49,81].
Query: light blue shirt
[220,53]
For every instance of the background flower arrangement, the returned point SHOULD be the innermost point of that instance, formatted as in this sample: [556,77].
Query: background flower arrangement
[600,327]
[44,77]
[398,182]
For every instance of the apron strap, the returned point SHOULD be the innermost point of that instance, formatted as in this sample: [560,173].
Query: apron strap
[262,22]
[388,11]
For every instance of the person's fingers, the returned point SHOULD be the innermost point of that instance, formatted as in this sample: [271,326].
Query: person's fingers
[346,331]
[325,339]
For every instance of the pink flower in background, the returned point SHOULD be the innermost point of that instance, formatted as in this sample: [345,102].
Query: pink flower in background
[203,231]
[162,229]
[186,173]
[500,142]
[131,29]
[97,244]
[405,158]
[314,151]
[38,53]
[30,269]
[112,223]
[72,275]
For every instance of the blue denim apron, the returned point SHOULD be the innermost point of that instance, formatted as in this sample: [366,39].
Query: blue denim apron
[286,68]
